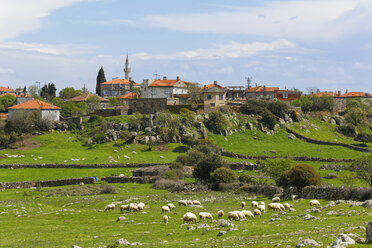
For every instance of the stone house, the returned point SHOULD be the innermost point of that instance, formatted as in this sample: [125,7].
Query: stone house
[123,100]
[146,105]
[118,87]
[166,89]
[214,95]
[104,103]
[4,90]
[47,111]
[272,93]
[235,92]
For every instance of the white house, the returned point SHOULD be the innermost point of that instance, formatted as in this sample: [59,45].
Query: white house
[47,111]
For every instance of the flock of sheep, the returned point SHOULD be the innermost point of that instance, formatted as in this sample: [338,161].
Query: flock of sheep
[258,210]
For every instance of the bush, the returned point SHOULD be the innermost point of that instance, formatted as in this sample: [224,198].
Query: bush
[274,168]
[347,130]
[223,175]
[269,119]
[208,164]
[363,137]
[108,189]
[283,180]
[253,107]
[245,179]
[191,159]
[301,175]
[217,122]
[167,184]
[278,108]
[363,167]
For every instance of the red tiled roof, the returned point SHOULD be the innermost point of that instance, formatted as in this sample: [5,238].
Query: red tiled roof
[85,96]
[354,94]
[5,89]
[3,116]
[119,81]
[213,85]
[166,83]
[128,95]
[325,93]
[24,95]
[9,94]
[263,89]
[34,104]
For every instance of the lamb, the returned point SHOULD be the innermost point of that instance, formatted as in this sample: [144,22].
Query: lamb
[171,206]
[241,215]
[196,202]
[287,205]
[233,215]
[254,204]
[293,197]
[205,215]
[262,208]
[165,219]
[124,207]
[189,203]
[243,204]
[315,203]
[281,206]
[189,217]
[220,213]
[165,209]
[262,203]
[141,206]
[275,199]
[110,206]
[248,214]
[257,212]
[273,206]
[182,202]
[133,207]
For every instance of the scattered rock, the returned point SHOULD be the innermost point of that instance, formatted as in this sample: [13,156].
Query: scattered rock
[122,242]
[307,242]
[369,232]
[221,233]
[202,226]
[225,223]
[309,217]
[121,218]
[291,136]
[189,228]
[332,213]
[343,241]
[367,204]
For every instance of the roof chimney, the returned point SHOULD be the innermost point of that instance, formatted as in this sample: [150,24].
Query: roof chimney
[164,78]
[339,93]
[178,78]
[318,90]
[215,82]
[264,87]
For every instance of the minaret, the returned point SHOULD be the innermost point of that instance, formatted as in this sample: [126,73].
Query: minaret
[127,69]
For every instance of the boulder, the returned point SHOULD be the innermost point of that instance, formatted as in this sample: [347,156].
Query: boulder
[89,142]
[291,136]
[307,242]
[369,233]
[148,130]
[221,233]
[224,223]
[333,121]
[122,242]
[343,241]
[367,204]
[309,217]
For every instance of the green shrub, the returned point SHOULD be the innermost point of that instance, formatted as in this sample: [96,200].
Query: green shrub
[274,168]
[363,137]
[278,108]
[207,165]
[302,175]
[283,180]
[363,167]
[223,175]
[269,119]
[191,159]
[217,122]
[246,179]
[253,107]
[347,130]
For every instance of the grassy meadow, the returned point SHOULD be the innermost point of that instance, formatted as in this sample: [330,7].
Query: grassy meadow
[47,218]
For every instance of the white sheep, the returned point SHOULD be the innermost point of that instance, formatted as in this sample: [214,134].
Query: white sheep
[287,206]
[248,214]
[141,206]
[189,203]
[241,215]
[165,209]
[262,203]
[171,206]
[233,215]
[196,202]
[110,206]
[121,218]
[124,207]
[189,217]
[165,219]
[220,213]
[275,199]
[133,207]
[81,184]
[273,206]
[182,202]
[315,203]
[205,215]
[293,197]
[262,208]
[257,212]
[242,204]
[281,206]
[254,204]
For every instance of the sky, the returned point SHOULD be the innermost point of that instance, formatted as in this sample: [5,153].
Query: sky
[302,44]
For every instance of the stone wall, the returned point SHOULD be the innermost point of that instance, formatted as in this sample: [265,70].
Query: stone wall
[78,166]
[147,105]
[116,179]
[50,183]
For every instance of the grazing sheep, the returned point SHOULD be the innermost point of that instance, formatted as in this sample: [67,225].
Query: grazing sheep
[110,206]
[257,212]
[165,209]
[204,215]
[189,217]
[165,219]
[281,206]
[133,207]
[242,204]
[262,208]
[262,203]
[315,203]
[141,206]
[254,204]
[275,199]
[116,151]
[124,207]
[287,206]
[233,216]
[241,215]
[182,202]
[220,213]
[248,214]
[196,202]
[171,206]
[293,197]
[121,218]
[273,206]
[189,203]
[81,184]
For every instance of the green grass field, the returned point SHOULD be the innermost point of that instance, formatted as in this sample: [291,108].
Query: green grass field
[46,218]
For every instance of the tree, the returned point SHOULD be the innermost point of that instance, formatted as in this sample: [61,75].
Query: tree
[207,165]
[48,91]
[306,104]
[357,118]
[113,101]
[363,137]
[69,92]
[7,101]
[101,78]
[278,108]
[217,122]
[93,102]
[269,119]
[300,175]
[274,168]
[363,167]
[196,93]
[33,90]
[223,175]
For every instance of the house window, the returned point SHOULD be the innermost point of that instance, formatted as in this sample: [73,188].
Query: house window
[114,93]
[106,92]
[153,91]
[126,87]
[220,97]
[167,91]
[285,95]
[212,104]
[208,97]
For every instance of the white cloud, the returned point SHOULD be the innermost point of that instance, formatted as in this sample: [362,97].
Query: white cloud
[50,49]
[20,16]
[304,20]
[231,50]
[227,70]
[363,66]
[4,70]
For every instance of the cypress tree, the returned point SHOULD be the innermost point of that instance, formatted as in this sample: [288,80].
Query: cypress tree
[100,79]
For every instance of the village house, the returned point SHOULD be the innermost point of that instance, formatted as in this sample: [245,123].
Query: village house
[235,92]
[214,95]
[4,90]
[83,98]
[124,99]
[20,98]
[174,90]
[47,111]
[118,87]
[272,93]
